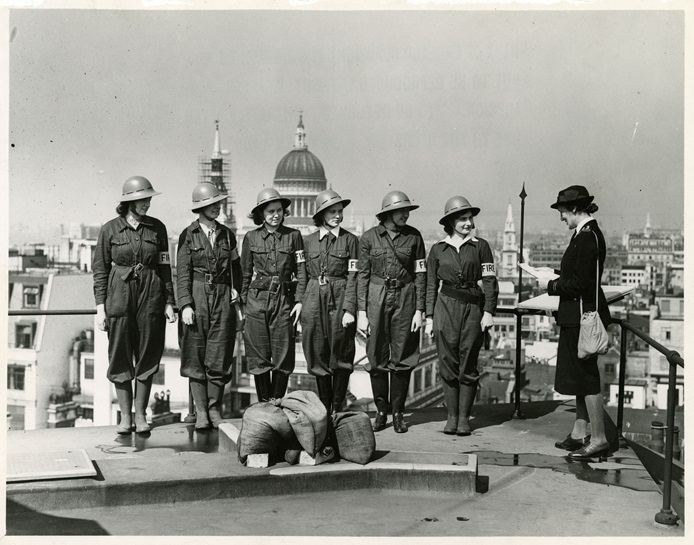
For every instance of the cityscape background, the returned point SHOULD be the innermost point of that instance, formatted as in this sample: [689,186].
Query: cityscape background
[434,103]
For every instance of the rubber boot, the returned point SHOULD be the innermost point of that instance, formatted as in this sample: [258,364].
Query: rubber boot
[279,384]
[399,384]
[451,393]
[325,391]
[379,387]
[124,393]
[215,395]
[142,389]
[198,389]
[465,402]
[340,384]
[263,386]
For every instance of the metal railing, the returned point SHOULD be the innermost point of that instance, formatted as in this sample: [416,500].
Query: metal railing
[665,516]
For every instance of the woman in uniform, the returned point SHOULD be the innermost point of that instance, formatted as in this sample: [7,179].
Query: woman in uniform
[274,280]
[581,270]
[390,294]
[134,296]
[458,315]
[329,310]
[208,269]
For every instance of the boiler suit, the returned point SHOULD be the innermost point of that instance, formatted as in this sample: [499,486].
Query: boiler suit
[331,264]
[205,276]
[132,278]
[458,307]
[274,278]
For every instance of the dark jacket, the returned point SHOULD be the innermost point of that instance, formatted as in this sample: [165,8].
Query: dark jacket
[578,275]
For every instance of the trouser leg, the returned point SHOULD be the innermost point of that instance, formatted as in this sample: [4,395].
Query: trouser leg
[379,387]
[399,384]
[279,384]
[198,388]
[325,391]
[142,389]
[124,393]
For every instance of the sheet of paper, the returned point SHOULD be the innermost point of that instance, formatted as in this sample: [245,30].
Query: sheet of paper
[537,273]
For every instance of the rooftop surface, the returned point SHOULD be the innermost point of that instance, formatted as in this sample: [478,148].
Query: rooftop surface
[176,482]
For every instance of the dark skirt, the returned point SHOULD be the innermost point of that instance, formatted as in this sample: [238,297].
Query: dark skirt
[575,376]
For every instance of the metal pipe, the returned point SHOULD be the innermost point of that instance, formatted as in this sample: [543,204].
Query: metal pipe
[622,379]
[666,516]
[518,412]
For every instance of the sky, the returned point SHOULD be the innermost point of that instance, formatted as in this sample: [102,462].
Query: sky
[433,103]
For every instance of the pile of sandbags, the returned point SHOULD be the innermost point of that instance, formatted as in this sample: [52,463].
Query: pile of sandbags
[284,427]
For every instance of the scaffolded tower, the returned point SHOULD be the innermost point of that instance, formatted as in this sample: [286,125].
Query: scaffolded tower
[217,171]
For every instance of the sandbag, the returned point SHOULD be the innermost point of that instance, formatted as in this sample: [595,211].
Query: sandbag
[264,429]
[355,436]
[308,418]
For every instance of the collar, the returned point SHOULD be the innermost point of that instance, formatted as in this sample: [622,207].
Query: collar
[457,242]
[583,224]
[382,231]
[322,231]
[206,230]
[277,232]
[123,223]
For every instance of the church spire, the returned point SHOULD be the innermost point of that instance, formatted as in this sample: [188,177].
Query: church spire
[300,138]
[216,151]
[647,231]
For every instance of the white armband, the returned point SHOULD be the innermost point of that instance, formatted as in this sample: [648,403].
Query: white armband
[420,266]
[300,256]
[164,258]
[488,269]
[353,265]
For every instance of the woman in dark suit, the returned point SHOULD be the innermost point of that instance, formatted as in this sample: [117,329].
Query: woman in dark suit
[581,267]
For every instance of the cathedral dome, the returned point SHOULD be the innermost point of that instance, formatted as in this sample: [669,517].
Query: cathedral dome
[300,165]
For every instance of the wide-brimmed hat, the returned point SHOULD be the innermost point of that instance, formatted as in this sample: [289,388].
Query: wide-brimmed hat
[455,205]
[268,195]
[396,200]
[326,199]
[574,194]
[205,194]
[136,188]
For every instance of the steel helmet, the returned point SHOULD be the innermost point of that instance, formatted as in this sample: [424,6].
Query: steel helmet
[205,194]
[136,188]
[455,205]
[396,200]
[268,195]
[326,199]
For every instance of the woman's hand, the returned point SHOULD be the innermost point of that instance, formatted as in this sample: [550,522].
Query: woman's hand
[543,282]
[429,327]
[363,323]
[169,313]
[296,312]
[347,319]
[101,318]
[416,321]
[234,296]
[188,315]
[487,321]
[240,317]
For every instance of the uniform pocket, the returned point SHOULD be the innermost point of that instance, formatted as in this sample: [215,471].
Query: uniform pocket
[116,304]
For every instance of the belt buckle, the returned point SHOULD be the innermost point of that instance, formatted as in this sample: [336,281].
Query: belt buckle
[137,269]
[275,285]
[208,278]
[393,283]
[322,280]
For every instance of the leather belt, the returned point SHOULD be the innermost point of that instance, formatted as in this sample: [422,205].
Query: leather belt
[210,278]
[389,283]
[460,295]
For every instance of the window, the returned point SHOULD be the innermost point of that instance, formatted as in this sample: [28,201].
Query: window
[159,376]
[665,306]
[682,307]
[89,368]
[417,381]
[609,368]
[15,377]
[32,296]
[667,334]
[16,416]
[427,376]
[24,334]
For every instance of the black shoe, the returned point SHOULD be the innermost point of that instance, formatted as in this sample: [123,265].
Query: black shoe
[572,444]
[590,451]
[399,423]
[380,421]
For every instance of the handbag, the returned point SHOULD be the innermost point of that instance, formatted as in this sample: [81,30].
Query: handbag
[593,338]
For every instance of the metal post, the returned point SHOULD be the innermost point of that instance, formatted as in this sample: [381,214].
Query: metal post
[518,412]
[666,516]
[622,379]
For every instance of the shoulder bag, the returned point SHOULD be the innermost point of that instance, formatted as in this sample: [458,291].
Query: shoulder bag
[593,338]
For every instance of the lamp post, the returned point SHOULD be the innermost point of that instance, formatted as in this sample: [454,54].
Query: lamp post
[518,412]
